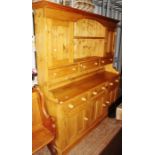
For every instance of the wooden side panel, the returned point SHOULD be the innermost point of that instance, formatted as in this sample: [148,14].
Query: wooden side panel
[41,48]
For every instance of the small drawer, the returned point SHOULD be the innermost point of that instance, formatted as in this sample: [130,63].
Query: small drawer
[73,104]
[94,92]
[105,61]
[102,88]
[111,85]
[89,65]
[63,71]
[117,80]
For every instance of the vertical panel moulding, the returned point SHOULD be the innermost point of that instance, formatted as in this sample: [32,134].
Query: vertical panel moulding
[106,42]
[71,42]
[49,40]
[41,49]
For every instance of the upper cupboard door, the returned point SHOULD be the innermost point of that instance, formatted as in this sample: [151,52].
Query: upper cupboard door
[89,28]
[59,42]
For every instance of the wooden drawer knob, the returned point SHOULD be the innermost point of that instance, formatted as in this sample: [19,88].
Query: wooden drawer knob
[102,61]
[117,80]
[71,106]
[85,118]
[103,105]
[83,99]
[61,102]
[95,63]
[84,67]
[53,125]
[73,69]
[107,102]
[111,84]
[110,59]
[94,93]
[103,88]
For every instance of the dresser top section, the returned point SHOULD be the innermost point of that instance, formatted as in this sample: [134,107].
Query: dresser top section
[47,4]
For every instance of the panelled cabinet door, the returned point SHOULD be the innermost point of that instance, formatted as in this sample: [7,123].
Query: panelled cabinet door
[112,93]
[59,42]
[99,106]
[89,116]
[74,123]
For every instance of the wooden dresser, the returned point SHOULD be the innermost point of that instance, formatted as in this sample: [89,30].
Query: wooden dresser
[75,52]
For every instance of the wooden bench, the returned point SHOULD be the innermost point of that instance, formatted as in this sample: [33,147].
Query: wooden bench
[43,127]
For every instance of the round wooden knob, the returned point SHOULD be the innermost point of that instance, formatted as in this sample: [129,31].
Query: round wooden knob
[94,93]
[103,61]
[103,105]
[110,59]
[53,125]
[84,67]
[95,63]
[71,106]
[73,69]
[61,102]
[117,80]
[85,118]
[83,99]
[103,88]
[107,102]
[111,84]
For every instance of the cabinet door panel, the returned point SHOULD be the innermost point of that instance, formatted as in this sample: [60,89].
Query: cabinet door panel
[89,116]
[75,123]
[59,43]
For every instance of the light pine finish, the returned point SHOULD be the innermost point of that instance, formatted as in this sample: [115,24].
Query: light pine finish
[74,49]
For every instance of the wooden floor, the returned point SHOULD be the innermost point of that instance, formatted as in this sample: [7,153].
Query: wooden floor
[99,141]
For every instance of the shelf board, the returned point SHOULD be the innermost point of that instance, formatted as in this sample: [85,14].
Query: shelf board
[83,37]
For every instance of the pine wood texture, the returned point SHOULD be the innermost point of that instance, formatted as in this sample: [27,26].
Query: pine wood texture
[98,139]
[43,128]
[74,51]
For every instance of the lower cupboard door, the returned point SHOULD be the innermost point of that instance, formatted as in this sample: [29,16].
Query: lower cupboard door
[89,116]
[75,125]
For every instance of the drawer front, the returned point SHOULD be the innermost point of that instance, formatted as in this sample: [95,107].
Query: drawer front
[73,105]
[89,65]
[63,71]
[111,85]
[105,61]
[117,81]
[102,88]
[94,92]
[98,90]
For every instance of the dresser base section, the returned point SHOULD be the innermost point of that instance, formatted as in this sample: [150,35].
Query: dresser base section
[70,146]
